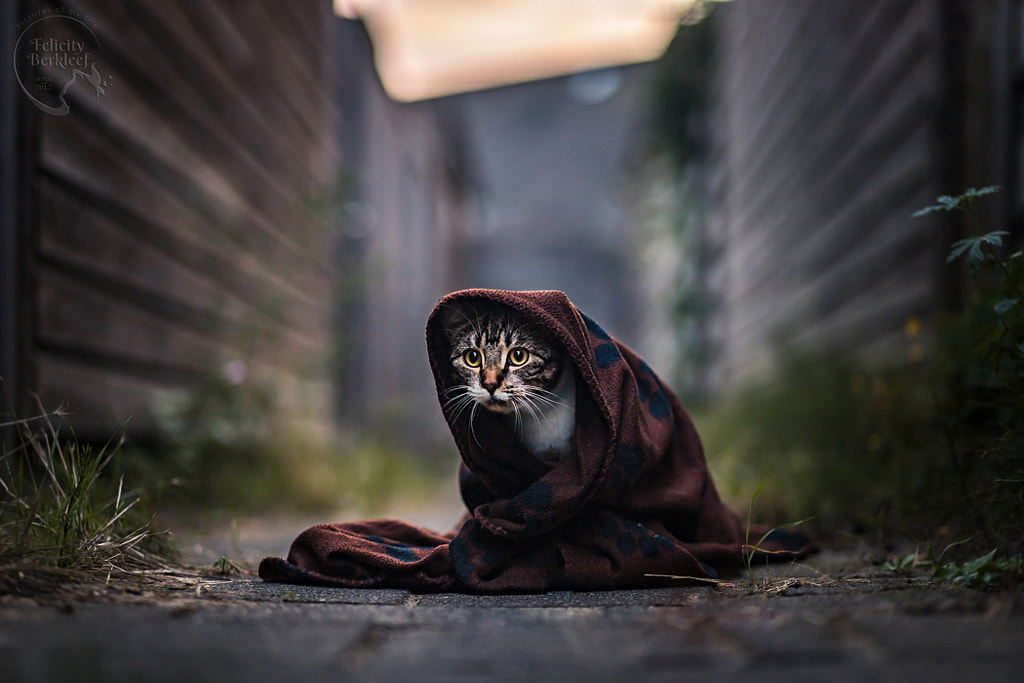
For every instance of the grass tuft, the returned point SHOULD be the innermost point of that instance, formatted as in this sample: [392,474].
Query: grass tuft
[63,516]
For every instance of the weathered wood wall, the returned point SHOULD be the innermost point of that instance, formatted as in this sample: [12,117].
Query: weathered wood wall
[13,190]
[834,122]
[1007,120]
[173,222]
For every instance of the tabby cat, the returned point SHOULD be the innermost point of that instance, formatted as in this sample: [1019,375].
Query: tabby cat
[506,363]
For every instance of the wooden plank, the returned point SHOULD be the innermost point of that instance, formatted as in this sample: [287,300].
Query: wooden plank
[72,231]
[807,148]
[87,320]
[98,399]
[167,27]
[120,181]
[177,102]
[174,229]
[828,145]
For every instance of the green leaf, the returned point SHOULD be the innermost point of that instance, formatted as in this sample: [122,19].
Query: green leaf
[949,203]
[983,571]
[972,193]
[1005,305]
[750,509]
[953,545]
[945,573]
[957,250]
[980,562]
[972,247]
[787,525]
[902,565]
[994,238]
[929,209]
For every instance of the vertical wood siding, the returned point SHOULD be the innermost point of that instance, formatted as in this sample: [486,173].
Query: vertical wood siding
[173,227]
[1009,85]
[830,125]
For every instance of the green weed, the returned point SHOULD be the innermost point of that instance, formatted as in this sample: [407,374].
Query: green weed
[223,566]
[844,444]
[911,562]
[984,401]
[932,445]
[984,572]
[59,507]
[906,564]
[751,551]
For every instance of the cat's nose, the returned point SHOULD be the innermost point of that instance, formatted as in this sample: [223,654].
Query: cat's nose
[490,381]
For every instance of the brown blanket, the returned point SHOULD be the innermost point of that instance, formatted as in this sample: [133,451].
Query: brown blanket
[636,505]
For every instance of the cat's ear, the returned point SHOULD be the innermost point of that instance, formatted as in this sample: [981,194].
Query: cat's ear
[453,320]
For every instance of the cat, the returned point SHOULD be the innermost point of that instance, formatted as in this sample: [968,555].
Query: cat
[508,364]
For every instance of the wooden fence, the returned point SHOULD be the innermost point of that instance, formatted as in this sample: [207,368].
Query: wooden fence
[172,220]
[834,121]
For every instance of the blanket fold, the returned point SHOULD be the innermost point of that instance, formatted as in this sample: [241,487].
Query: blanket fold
[636,504]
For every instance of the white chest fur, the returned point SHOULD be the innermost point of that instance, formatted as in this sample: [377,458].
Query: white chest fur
[551,426]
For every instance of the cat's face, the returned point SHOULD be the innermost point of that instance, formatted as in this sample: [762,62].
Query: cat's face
[501,360]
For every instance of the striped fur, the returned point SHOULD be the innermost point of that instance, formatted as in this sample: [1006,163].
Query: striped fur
[487,343]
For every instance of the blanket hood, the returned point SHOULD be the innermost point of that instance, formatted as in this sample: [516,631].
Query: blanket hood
[634,508]
[637,449]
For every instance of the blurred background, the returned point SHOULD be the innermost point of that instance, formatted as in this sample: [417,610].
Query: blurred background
[223,225]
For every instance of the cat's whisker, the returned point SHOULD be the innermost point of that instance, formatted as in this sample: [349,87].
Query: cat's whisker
[467,402]
[517,428]
[465,393]
[458,404]
[472,430]
[464,389]
[526,403]
[542,402]
[538,399]
[545,410]
[537,391]
[549,397]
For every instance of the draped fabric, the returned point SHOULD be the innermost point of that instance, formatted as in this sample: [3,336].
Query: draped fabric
[635,505]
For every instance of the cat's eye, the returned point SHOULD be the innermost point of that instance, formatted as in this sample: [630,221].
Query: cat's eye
[518,356]
[473,358]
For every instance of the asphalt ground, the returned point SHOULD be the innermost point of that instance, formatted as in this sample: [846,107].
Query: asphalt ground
[837,617]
